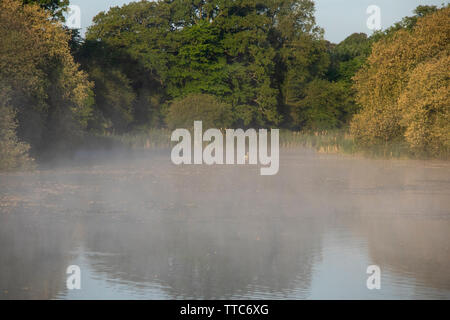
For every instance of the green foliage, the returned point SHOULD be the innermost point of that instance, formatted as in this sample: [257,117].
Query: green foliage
[255,55]
[328,101]
[126,55]
[327,105]
[348,56]
[114,99]
[214,114]
[200,65]
[229,63]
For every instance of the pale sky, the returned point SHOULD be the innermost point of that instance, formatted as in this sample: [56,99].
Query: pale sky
[339,18]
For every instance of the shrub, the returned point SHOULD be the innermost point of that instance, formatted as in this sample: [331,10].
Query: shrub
[214,114]
[13,153]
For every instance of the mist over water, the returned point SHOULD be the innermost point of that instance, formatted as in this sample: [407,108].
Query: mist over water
[140,227]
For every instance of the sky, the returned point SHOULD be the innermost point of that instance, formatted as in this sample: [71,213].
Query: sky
[339,18]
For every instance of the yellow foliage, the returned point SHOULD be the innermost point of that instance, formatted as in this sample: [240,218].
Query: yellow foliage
[35,61]
[392,87]
[425,107]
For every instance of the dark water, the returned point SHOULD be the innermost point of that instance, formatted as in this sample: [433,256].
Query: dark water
[142,228]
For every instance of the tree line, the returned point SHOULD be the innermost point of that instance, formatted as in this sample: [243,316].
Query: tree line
[233,63]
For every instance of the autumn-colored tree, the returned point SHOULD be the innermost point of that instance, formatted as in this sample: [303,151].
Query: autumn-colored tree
[56,7]
[51,97]
[391,71]
[425,107]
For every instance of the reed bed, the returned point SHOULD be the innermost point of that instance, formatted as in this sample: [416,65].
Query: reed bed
[331,142]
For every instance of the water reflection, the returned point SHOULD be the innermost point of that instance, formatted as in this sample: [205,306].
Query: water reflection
[140,227]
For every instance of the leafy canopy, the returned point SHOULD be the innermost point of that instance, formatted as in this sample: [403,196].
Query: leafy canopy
[391,87]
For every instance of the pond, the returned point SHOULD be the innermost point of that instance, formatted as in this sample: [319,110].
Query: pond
[140,227]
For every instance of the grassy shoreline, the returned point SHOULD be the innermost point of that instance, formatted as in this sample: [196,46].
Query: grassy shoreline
[323,142]
[327,142]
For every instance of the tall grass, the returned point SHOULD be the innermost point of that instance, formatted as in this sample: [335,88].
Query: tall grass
[336,141]
[340,141]
[332,141]
[149,139]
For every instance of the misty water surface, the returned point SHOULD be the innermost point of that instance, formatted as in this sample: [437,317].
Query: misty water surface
[142,228]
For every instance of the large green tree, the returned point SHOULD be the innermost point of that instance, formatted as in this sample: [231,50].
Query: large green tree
[257,56]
